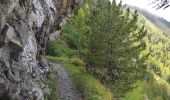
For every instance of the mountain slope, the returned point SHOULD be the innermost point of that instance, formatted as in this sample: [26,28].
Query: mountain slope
[156,85]
[159,22]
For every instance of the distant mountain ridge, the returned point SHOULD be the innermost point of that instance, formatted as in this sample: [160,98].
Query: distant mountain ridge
[160,22]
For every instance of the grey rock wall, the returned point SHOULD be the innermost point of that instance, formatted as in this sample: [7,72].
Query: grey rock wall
[25,26]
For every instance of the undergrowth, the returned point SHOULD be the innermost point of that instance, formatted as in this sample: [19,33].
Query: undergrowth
[90,87]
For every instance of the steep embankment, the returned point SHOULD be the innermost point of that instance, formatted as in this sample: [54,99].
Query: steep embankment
[24,29]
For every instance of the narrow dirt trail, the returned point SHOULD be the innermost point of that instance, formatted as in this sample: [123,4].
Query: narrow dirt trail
[65,85]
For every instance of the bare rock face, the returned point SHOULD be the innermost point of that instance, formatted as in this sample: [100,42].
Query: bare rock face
[25,26]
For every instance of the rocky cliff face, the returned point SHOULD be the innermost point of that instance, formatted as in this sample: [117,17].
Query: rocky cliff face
[25,26]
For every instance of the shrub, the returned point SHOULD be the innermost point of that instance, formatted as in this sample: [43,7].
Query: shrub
[77,62]
[52,49]
[168,79]
[59,49]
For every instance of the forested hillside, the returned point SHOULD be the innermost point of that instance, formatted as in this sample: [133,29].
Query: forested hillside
[159,22]
[120,47]
[156,85]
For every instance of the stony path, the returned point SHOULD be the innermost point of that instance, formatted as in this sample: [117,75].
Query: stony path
[65,86]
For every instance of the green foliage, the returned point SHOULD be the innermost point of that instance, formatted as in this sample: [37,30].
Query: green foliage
[75,32]
[168,79]
[74,61]
[70,35]
[59,49]
[92,89]
[150,89]
[158,45]
[57,59]
[77,62]
[115,43]
[52,49]
[155,86]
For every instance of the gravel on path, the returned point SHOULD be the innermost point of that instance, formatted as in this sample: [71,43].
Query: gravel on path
[65,85]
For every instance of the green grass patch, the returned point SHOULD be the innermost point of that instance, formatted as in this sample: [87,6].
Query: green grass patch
[77,62]
[57,59]
[135,94]
[59,49]
[90,87]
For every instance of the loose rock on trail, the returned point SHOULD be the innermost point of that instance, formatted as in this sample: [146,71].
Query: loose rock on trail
[65,85]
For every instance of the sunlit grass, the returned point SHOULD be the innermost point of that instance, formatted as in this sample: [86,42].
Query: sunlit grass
[90,87]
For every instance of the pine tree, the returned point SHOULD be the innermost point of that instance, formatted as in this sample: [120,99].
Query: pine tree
[115,44]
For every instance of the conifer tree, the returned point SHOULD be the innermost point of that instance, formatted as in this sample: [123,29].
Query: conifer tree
[115,44]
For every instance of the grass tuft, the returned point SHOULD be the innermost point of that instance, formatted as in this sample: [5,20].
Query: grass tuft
[77,62]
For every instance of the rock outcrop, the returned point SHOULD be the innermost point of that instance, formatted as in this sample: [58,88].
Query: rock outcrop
[25,26]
